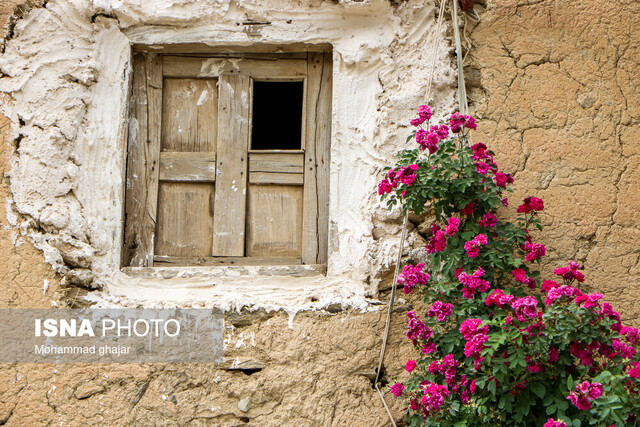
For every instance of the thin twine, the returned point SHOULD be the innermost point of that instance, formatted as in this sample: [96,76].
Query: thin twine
[463,106]
[462,91]
[404,228]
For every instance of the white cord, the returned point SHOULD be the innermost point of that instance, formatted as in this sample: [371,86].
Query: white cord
[404,227]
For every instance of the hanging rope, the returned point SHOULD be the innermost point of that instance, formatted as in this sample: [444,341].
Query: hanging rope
[463,107]
[404,228]
[462,90]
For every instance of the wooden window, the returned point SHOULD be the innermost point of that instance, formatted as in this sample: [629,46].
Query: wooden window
[227,160]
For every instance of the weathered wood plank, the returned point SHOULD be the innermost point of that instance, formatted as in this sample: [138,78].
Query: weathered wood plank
[170,271]
[177,166]
[317,143]
[276,151]
[231,166]
[281,162]
[323,155]
[190,107]
[223,261]
[142,161]
[276,178]
[126,133]
[136,192]
[154,91]
[274,221]
[185,219]
[139,37]
[190,67]
[242,55]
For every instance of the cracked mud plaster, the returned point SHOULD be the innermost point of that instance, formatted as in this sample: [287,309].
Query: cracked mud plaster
[556,86]
[66,69]
[310,376]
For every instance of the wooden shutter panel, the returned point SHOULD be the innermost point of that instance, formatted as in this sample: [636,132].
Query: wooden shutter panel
[187,169]
[288,200]
[274,214]
[143,152]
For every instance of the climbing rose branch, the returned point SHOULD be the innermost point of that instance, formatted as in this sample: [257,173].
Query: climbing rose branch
[499,345]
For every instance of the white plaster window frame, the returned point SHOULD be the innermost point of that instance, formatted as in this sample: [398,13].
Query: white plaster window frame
[293,288]
[272,287]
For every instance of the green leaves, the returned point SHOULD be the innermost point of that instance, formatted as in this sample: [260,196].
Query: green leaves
[492,387]
[538,389]
[516,381]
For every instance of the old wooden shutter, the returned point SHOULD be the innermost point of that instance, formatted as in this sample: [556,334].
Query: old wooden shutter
[197,193]
[187,168]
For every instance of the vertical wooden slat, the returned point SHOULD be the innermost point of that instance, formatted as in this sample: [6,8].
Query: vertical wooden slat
[154,91]
[125,256]
[231,165]
[135,188]
[142,160]
[316,165]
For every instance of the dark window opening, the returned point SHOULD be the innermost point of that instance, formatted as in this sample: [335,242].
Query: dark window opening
[277,116]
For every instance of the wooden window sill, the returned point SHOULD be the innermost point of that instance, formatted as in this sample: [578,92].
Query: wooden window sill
[169,271]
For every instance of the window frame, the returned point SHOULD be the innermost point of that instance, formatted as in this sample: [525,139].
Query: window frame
[143,144]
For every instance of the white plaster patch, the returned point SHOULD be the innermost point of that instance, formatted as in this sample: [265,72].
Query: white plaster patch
[203,97]
[69,79]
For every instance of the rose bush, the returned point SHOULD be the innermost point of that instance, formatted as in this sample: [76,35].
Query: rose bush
[499,345]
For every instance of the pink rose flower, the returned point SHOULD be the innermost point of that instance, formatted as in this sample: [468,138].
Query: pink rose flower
[440,310]
[424,112]
[488,220]
[397,389]
[452,226]
[411,277]
[384,187]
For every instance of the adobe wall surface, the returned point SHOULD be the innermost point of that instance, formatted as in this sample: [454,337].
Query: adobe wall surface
[556,86]
[557,90]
